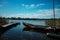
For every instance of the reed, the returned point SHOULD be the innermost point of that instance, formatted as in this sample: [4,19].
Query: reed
[3,21]
[51,22]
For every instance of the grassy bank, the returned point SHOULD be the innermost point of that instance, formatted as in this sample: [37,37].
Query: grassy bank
[51,22]
[3,21]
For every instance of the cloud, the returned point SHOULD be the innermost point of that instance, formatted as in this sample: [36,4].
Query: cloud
[23,5]
[32,5]
[41,4]
[46,13]
[49,12]
[57,11]
[33,15]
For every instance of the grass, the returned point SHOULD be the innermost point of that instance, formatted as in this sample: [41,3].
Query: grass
[3,21]
[51,22]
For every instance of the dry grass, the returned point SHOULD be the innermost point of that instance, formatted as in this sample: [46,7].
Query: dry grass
[3,21]
[51,23]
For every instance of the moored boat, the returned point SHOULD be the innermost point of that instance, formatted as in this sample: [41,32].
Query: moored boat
[6,27]
[40,27]
[53,35]
[28,25]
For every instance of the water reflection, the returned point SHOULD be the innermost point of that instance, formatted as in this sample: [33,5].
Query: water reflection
[3,30]
[38,31]
[33,30]
[19,33]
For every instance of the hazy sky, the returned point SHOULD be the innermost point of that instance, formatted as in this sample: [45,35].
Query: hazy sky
[29,8]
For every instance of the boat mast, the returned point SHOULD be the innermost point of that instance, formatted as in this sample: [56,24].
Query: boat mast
[54,14]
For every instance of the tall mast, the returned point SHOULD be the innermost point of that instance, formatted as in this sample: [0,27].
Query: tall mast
[54,14]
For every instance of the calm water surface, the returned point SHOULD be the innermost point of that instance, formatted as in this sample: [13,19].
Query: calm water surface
[17,33]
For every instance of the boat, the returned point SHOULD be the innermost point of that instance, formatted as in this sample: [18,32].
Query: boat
[53,35]
[40,27]
[34,30]
[6,27]
[28,25]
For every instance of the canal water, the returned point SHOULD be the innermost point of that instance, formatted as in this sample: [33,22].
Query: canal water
[17,32]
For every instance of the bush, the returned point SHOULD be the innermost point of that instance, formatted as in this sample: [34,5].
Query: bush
[51,22]
[3,21]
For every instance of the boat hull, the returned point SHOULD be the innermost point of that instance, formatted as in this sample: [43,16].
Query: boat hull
[39,28]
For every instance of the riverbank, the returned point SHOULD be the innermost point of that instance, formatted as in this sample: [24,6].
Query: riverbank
[14,18]
[4,25]
[52,23]
[3,21]
[48,22]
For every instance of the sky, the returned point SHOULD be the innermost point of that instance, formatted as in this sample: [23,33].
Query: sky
[29,8]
